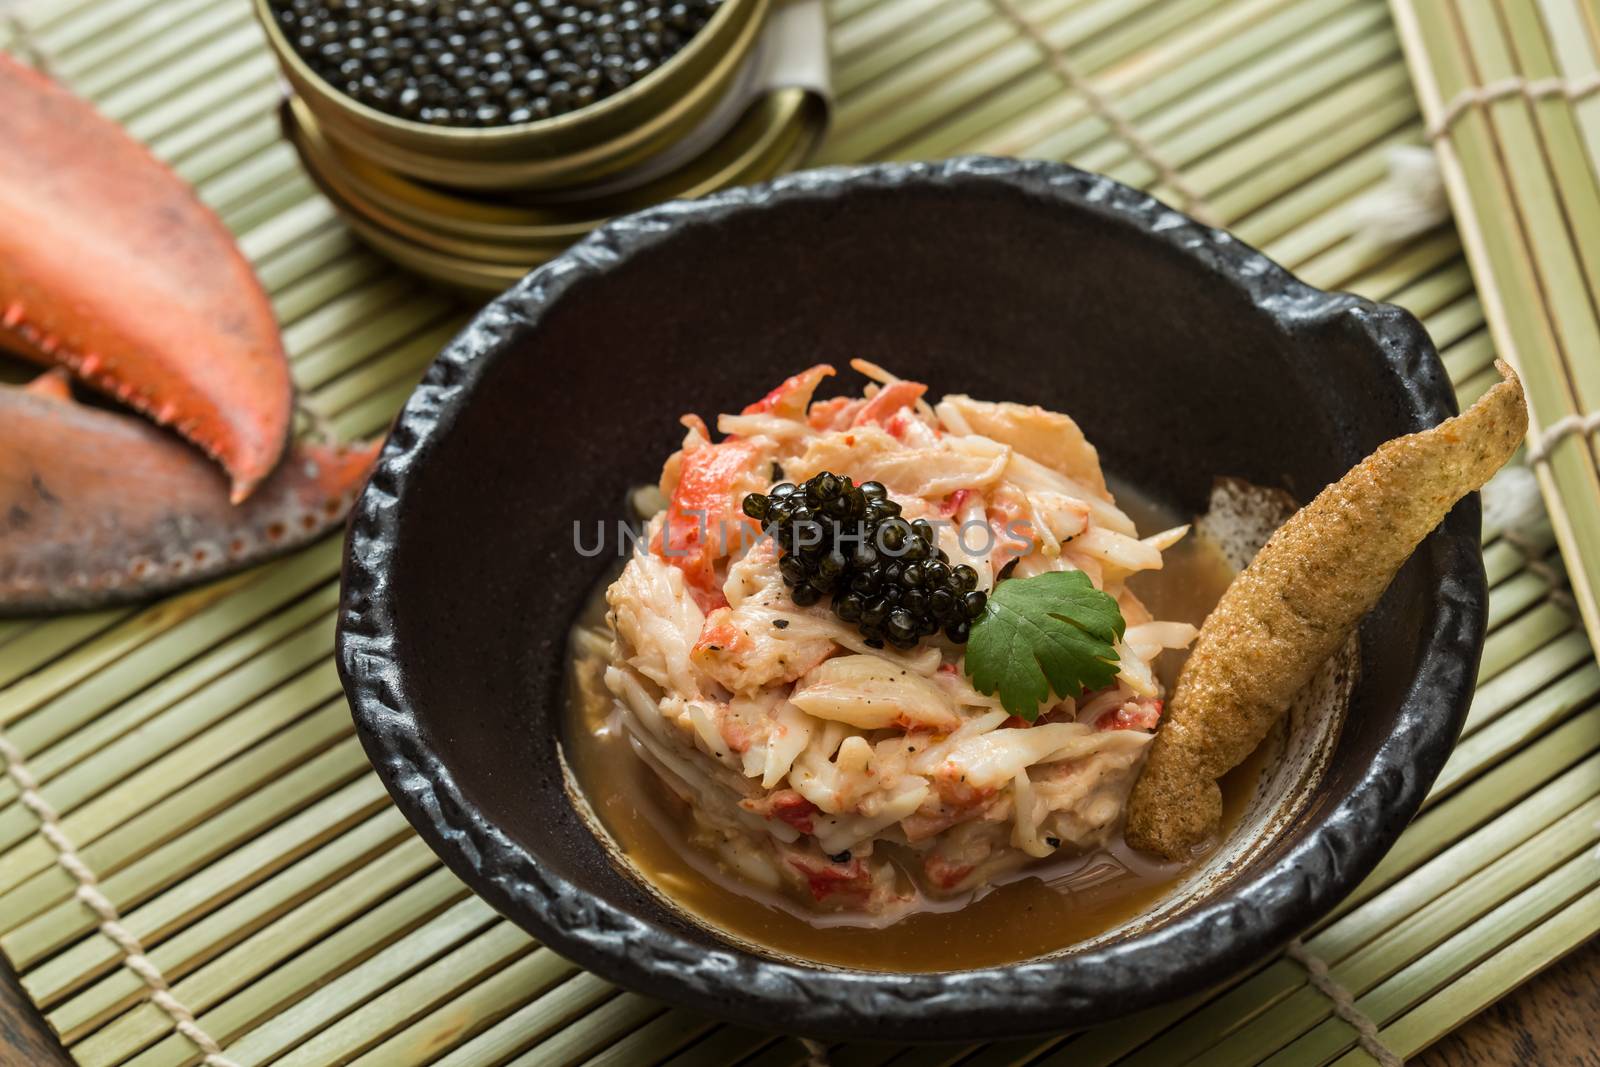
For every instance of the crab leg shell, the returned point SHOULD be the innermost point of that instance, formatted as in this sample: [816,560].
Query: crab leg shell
[111,266]
[1298,602]
[98,507]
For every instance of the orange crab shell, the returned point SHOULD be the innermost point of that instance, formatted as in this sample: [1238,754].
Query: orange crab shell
[112,267]
[98,507]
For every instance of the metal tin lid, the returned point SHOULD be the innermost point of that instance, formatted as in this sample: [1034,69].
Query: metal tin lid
[485,241]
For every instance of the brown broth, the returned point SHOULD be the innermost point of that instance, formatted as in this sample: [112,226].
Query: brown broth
[1041,909]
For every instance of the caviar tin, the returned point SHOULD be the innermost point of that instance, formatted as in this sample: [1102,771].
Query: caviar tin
[483,242]
[613,136]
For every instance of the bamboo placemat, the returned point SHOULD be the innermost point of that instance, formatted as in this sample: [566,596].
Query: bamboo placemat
[197,757]
[1511,94]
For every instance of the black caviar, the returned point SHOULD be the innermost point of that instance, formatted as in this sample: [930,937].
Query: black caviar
[886,575]
[486,63]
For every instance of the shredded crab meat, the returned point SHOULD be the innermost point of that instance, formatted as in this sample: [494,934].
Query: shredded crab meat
[855,778]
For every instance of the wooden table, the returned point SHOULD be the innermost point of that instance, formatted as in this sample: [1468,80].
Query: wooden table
[1553,1021]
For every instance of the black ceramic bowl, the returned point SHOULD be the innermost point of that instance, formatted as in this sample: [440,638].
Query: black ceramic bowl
[1183,353]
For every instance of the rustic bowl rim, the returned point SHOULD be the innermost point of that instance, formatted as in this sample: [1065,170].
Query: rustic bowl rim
[1211,940]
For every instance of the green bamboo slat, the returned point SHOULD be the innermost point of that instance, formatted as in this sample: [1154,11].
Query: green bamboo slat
[75,63]
[1471,359]
[1571,38]
[1146,85]
[1558,127]
[457,925]
[975,95]
[1164,75]
[263,842]
[654,1041]
[52,749]
[1492,164]
[224,952]
[337,315]
[245,98]
[877,25]
[279,190]
[308,280]
[280,233]
[1499,694]
[842,11]
[1283,207]
[134,57]
[185,744]
[374,414]
[602,1026]
[1400,901]
[184,123]
[1557,196]
[1476,943]
[29,693]
[320,366]
[227,150]
[1338,166]
[1457,321]
[279,981]
[1354,257]
[487,1002]
[913,39]
[1008,80]
[1539,862]
[403,362]
[284,276]
[242,45]
[956,45]
[500,947]
[731,1044]
[1213,157]
[539,1018]
[240,194]
[33,644]
[44,719]
[283,754]
[1241,104]
[1565,751]
[1516,595]
[1469,354]
[61,25]
[1575,924]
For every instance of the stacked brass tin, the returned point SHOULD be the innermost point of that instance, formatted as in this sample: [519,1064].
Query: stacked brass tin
[476,208]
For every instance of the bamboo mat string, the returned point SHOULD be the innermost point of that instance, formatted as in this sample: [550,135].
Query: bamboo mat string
[1344,1005]
[88,892]
[1192,202]
[816,1052]
[1534,89]
[1533,561]
[1562,428]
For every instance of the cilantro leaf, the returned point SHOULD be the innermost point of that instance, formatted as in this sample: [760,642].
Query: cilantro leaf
[1050,633]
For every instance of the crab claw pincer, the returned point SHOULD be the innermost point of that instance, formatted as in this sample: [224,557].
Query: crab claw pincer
[98,507]
[112,267]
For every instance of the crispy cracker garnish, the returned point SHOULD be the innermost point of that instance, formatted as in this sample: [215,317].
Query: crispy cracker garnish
[1298,601]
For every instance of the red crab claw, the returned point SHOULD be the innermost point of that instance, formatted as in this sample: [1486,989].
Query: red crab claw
[112,267]
[98,507]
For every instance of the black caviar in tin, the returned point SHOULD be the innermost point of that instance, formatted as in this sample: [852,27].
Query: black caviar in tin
[479,63]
